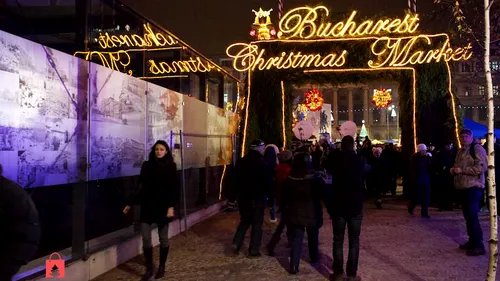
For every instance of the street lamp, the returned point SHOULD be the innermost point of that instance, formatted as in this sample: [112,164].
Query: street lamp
[393,114]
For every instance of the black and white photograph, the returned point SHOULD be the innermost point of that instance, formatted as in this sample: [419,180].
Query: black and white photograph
[117,123]
[164,116]
[39,120]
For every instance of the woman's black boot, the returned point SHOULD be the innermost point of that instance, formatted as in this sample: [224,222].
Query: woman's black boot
[148,262]
[163,260]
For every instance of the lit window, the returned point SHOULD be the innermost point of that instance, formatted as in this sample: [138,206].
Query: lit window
[481,91]
[494,65]
[495,90]
[467,91]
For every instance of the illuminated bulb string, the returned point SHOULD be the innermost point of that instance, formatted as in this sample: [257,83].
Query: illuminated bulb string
[237,97]
[453,104]
[221,181]
[246,115]
[414,73]
[161,77]
[478,107]
[346,39]
[283,113]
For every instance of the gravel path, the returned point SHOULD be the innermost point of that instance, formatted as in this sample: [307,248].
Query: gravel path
[394,247]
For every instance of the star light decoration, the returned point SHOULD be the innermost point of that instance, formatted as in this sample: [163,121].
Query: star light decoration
[313,100]
[381,98]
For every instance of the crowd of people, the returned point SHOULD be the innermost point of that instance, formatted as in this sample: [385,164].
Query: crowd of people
[299,184]
[291,181]
[296,186]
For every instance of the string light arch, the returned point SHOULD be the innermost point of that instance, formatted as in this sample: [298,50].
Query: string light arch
[279,50]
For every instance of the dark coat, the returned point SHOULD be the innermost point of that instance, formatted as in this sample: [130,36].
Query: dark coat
[302,201]
[421,169]
[253,178]
[20,228]
[444,161]
[316,155]
[282,172]
[392,158]
[159,190]
[379,174]
[347,195]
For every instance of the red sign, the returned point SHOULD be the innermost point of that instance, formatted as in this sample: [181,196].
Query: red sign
[54,268]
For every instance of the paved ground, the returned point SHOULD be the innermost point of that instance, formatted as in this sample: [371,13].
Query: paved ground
[394,247]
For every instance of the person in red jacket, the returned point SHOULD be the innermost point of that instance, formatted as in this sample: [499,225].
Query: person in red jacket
[282,170]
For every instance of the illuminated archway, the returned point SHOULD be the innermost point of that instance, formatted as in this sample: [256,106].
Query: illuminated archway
[334,43]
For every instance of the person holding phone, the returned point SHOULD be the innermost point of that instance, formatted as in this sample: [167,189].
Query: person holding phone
[157,196]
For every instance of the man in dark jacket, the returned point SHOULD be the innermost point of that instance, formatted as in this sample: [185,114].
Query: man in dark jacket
[253,184]
[348,170]
[420,164]
[20,231]
[445,191]
[379,176]
[391,157]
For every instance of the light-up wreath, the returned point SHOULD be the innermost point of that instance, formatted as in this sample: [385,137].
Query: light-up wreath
[313,100]
[381,98]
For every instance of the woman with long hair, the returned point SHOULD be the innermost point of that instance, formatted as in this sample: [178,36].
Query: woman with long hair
[346,207]
[158,195]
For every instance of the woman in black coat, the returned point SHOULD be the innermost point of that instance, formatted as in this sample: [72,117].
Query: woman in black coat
[157,196]
[302,195]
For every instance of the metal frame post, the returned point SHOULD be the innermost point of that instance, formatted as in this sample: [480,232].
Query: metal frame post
[183,183]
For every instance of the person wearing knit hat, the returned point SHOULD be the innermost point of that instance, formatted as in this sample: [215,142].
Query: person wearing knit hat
[421,178]
[421,147]
[258,145]
[252,184]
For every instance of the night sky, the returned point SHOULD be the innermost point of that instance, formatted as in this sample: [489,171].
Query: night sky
[212,25]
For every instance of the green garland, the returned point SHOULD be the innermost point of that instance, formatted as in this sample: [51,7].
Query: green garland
[435,121]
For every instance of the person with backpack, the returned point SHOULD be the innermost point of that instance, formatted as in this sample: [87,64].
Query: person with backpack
[470,165]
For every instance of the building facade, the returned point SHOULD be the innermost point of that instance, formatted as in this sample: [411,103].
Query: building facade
[353,102]
[470,86]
